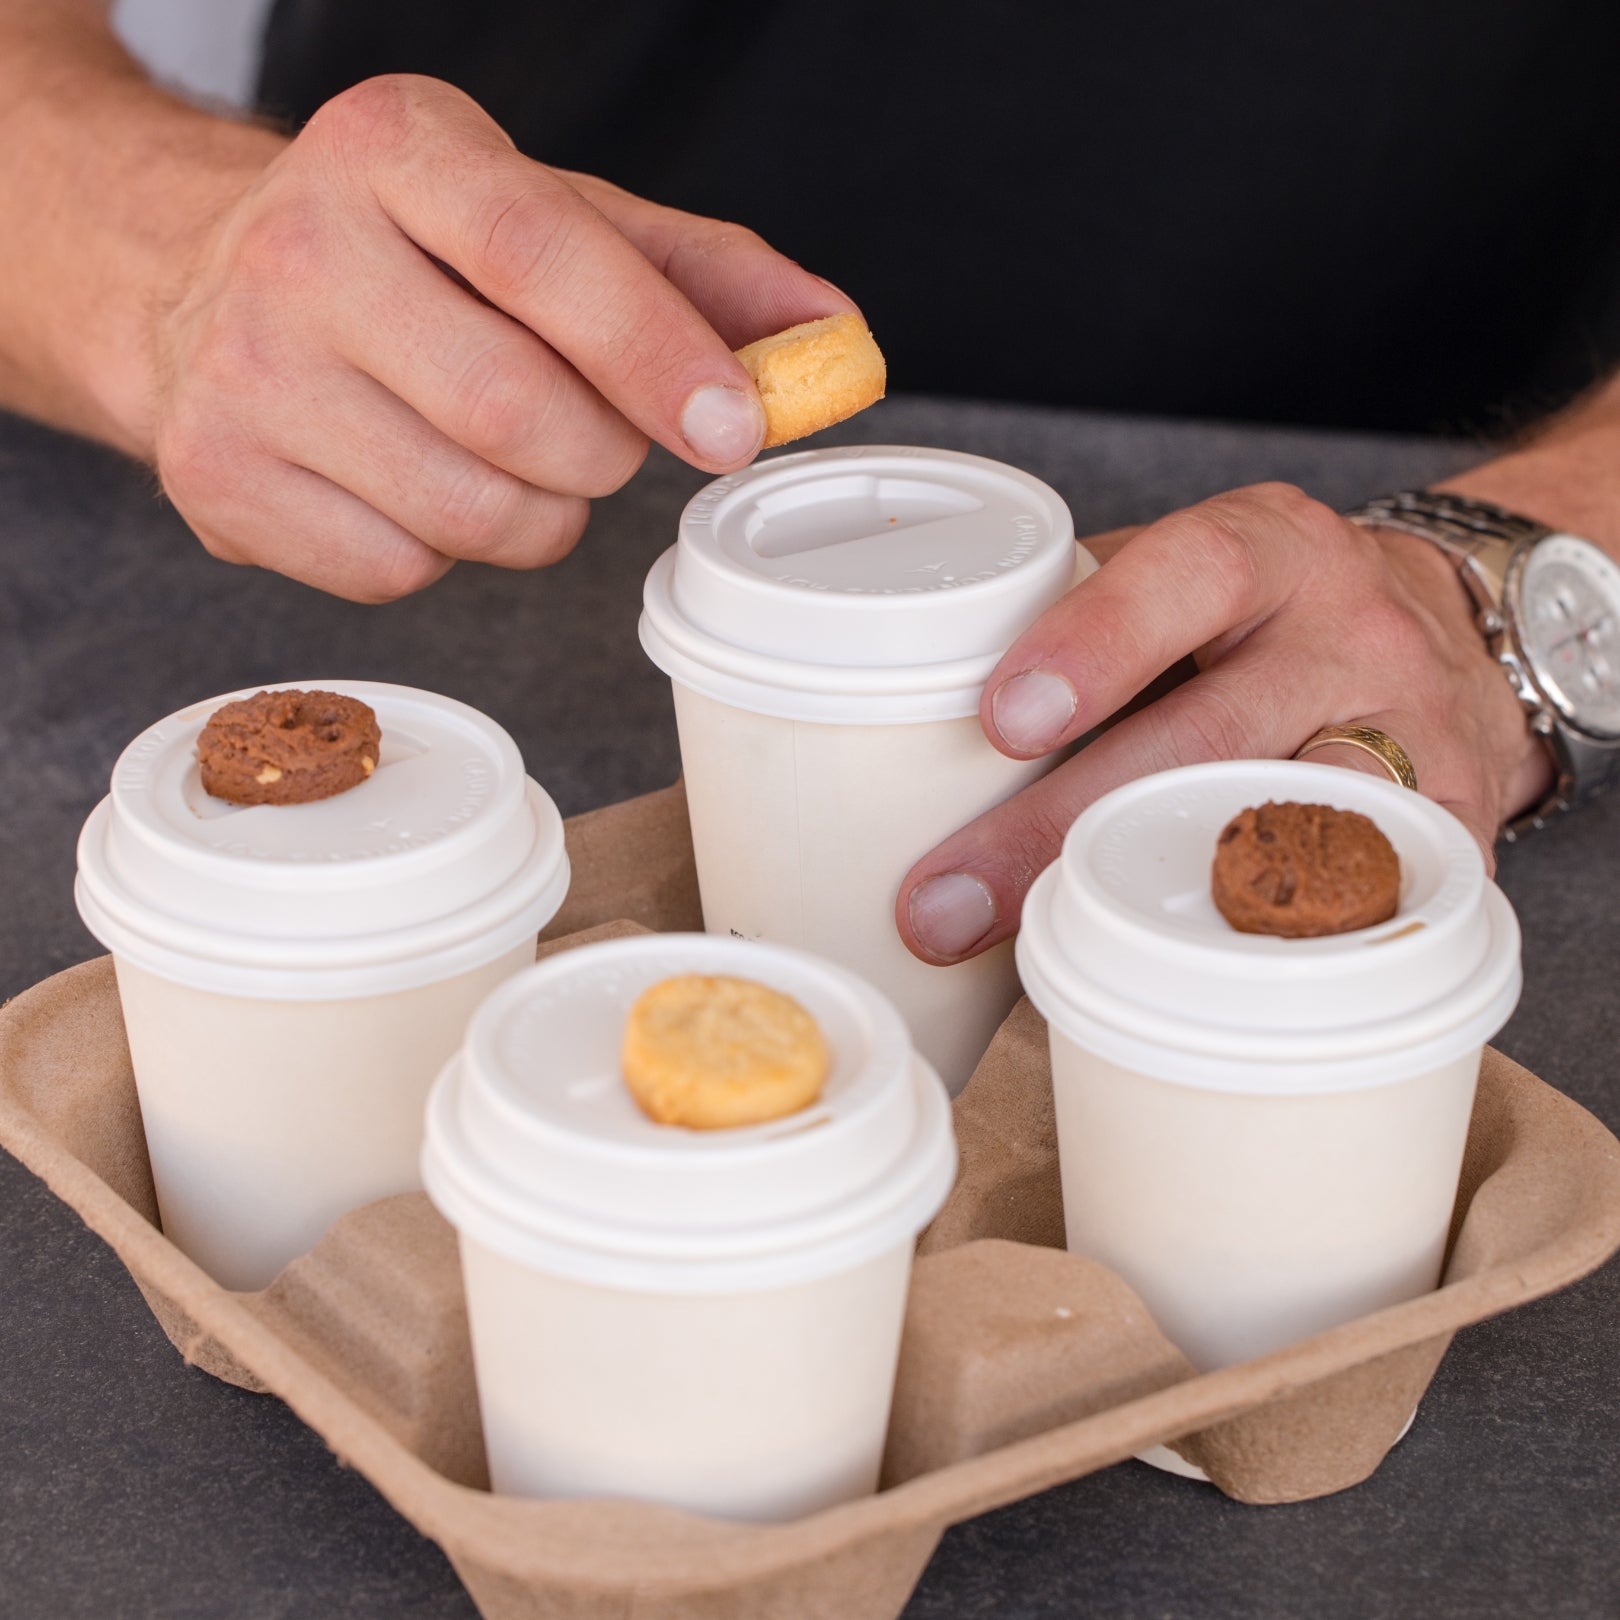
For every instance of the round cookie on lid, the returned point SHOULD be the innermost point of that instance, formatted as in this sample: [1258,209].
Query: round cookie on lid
[1301,871]
[710,1050]
[288,747]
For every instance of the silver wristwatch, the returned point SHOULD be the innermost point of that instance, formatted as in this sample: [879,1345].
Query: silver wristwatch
[1548,605]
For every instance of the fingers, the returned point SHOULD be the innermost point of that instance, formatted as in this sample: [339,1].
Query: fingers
[482,379]
[298,523]
[1238,710]
[401,479]
[741,285]
[1345,633]
[539,250]
[1457,791]
[362,438]
[466,343]
[1206,575]
[968,894]
[1108,545]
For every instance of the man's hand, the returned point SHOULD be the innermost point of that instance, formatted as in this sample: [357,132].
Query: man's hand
[407,344]
[358,356]
[1295,619]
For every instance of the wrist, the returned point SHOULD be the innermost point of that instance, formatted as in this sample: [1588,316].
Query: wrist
[124,185]
[1566,476]
[1517,761]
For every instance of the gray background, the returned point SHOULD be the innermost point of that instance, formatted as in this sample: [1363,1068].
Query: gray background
[132,1485]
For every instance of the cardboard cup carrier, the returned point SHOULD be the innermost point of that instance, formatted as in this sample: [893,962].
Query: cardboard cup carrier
[709,1319]
[293,977]
[828,620]
[1021,1365]
[1262,1136]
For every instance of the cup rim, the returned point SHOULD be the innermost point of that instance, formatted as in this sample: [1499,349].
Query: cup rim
[789,689]
[1343,1057]
[894,1212]
[785,593]
[533,1149]
[335,968]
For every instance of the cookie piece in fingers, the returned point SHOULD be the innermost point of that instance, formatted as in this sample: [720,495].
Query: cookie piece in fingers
[813,375]
[288,747]
[708,1051]
[1304,870]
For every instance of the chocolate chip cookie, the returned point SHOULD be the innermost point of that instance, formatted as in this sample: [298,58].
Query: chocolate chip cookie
[1303,870]
[288,747]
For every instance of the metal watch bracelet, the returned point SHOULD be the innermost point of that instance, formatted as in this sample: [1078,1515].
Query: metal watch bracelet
[1484,540]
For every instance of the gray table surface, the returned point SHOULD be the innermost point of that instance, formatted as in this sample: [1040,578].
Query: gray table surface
[131,1485]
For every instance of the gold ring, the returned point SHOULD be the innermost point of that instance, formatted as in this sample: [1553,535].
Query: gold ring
[1369,740]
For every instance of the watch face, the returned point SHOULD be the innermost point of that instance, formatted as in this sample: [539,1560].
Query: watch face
[1568,623]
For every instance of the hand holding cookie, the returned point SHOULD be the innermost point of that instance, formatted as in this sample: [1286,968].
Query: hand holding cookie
[556,323]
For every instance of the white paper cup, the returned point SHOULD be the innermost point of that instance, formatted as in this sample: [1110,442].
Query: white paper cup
[1262,1136]
[709,1319]
[294,976]
[828,620]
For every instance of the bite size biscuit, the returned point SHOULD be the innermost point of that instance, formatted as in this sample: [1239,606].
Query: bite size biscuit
[1303,870]
[813,375]
[709,1051]
[288,747]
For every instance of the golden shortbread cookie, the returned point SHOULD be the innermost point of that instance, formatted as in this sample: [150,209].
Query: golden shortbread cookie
[813,375]
[707,1051]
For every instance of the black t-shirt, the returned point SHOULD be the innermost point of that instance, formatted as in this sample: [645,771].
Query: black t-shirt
[1365,213]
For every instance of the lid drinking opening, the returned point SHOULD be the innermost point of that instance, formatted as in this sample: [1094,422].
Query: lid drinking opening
[826,512]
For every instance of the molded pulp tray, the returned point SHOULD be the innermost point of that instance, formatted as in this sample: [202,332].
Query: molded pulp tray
[1022,1366]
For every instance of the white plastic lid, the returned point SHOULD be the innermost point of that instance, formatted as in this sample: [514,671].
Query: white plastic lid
[535,1148]
[1122,947]
[862,586]
[443,859]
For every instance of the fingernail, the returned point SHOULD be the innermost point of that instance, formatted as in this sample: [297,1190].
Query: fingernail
[951,913]
[1032,710]
[722,425]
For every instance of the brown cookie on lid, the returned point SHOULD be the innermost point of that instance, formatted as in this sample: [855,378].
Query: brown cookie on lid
[288,747]
[1303,870]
